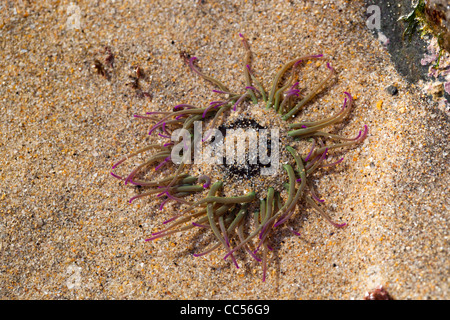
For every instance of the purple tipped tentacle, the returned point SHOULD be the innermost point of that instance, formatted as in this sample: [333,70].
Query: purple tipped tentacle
[160,232]
[265,264]
[253,88]
[156,126]
[157,112]
[210,131]
[161,206]
[294,86]
[143,117]
[330,67]
[350,98]
[164,193]
[357,137]
[206,179]
[130,176]
[134,183]
[170,220]
[283,219]
[241,98]
[324,155]
[337,225]
[136,196]
[249,70]
[205,252]
[311,151]
[259,245]
[332,164]
[244,41]
[220,91]
[252,254]
[183,106]
[208,134]
[212,105]
[279,222]
[198,254]
[167,193]
[323,214]
[291,93]
[178,117]
[165,129]
[317,56]
[199,225]
[364,135]
[261,233]
[318,159]
[164,136]
[262,238]
[361,136]
[317,198]
[294,232]
[344,105]
[162,163]
[234,261]
[191,65]
[226,240]
[119,162]
[117,176]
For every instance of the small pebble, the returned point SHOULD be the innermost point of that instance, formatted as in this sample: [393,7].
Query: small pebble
[378,293]
[379,104]
[39,222]
[392,90]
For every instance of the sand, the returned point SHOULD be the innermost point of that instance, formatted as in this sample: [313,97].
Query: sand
[67,230]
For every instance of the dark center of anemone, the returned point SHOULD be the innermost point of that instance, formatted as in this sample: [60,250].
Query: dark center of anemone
[247,170]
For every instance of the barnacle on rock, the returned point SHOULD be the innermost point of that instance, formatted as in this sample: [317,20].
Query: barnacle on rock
[240,206]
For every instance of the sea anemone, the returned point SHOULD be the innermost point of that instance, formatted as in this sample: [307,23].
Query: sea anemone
[246,222]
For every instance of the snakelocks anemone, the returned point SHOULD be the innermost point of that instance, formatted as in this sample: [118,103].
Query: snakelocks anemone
[240,207]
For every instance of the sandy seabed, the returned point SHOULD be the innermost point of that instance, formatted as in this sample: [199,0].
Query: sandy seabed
[67,230]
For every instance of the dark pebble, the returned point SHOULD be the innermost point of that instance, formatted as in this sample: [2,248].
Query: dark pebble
[392,90]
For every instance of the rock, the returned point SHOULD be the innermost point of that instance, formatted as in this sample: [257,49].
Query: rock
[436,89]
[392,90]
[405,53]
[437,14]
[39,222]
